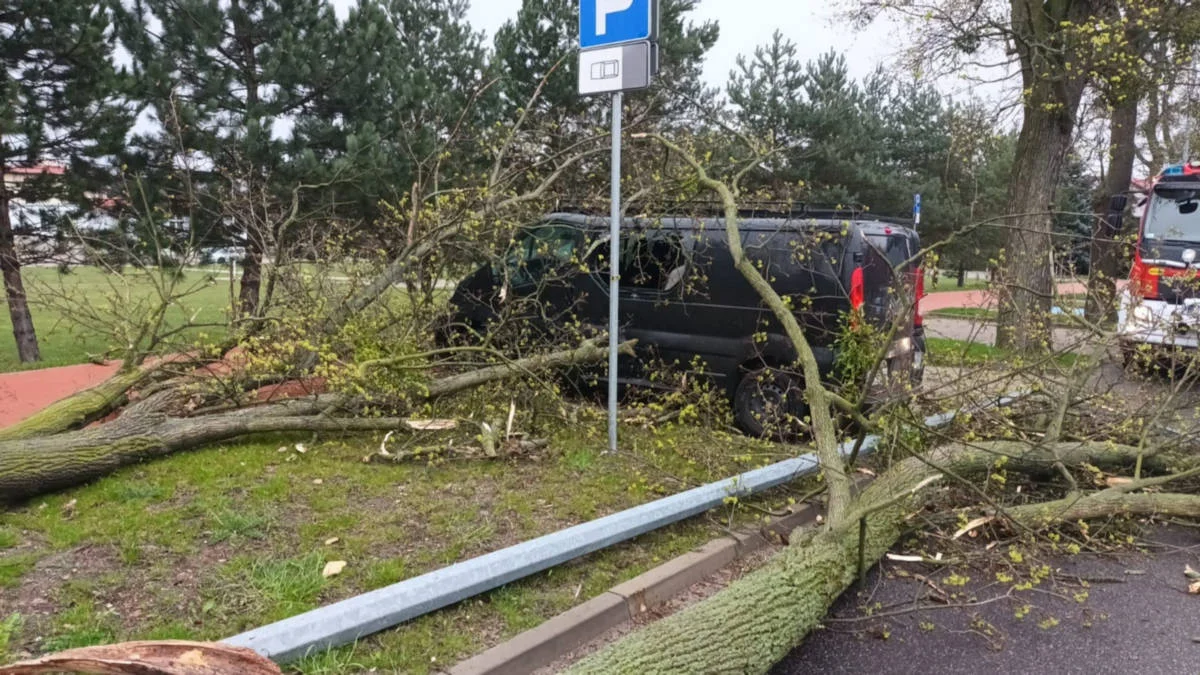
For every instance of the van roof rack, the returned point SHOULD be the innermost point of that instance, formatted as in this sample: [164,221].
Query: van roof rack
[756,209]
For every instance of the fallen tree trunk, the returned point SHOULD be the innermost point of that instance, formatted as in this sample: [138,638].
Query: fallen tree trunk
[756,621]
[30,466]
[33,466]
[163,657]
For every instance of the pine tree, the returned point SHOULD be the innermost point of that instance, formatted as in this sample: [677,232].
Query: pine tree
[541,43]
[225,80]
[416,79]
[60,100]
[765,90]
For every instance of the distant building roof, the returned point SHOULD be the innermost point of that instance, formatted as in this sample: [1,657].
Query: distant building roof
[38,169]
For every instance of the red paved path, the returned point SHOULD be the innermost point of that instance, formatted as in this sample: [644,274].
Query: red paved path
[947,299]
[24,393]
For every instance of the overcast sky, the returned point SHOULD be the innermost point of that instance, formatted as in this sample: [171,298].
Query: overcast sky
[812,24]
[747,23]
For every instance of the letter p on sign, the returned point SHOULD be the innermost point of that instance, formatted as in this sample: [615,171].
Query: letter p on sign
[606,7]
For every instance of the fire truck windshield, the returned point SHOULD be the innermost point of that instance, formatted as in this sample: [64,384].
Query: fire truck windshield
[1174,215]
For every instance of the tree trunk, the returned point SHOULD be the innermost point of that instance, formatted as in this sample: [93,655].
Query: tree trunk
[251,286]
[1025,273]
[32,465]
[1052,93]
[756,621]
[962,275]
[35,465]
[1105,259]
[1152,126]
[14,287]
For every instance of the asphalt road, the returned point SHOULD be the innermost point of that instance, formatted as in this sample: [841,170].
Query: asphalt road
[1137,617]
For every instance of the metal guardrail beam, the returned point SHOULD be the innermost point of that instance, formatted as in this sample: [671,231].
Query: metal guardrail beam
[350,619]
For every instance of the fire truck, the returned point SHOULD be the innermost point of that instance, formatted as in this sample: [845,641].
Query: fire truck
[1160,306]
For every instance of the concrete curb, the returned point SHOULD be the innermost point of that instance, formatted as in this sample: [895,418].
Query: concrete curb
[540,646]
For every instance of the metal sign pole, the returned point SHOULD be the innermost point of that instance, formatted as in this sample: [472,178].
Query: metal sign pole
[614,277]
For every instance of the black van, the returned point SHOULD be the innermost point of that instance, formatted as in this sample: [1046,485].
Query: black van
[681,296]
[902,247]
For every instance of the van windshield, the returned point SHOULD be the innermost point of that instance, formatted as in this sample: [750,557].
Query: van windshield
[1174,215]
[540,249]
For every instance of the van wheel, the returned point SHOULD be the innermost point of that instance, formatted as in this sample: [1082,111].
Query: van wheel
[769,402]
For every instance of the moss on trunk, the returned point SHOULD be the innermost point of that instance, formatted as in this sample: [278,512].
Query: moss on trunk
[78,409]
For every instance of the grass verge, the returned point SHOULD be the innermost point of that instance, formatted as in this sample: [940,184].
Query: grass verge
[947,352]
[206,544]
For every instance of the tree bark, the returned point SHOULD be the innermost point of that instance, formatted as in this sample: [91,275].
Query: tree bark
[1026,276]
[31,465]
[35,465]
[756,621]
[176,657]
[1107,504]
[14,287]
[250,290]
[1105,259]
[1026,273]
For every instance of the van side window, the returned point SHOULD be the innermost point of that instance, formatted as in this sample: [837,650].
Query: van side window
[796,253]
[653,260]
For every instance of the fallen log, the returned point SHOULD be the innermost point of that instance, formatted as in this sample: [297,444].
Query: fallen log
[164,657]
[33,465]
[757,620]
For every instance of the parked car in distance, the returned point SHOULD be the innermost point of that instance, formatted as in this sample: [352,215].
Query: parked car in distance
[683,300]
[222,255]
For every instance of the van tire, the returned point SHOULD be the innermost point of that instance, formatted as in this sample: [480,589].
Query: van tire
[764,401]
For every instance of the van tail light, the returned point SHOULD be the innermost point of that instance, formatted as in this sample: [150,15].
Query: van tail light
[857,291]
[1143,279]
[920,286]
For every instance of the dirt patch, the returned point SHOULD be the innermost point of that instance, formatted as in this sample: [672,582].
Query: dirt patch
[705,588]
[37,597]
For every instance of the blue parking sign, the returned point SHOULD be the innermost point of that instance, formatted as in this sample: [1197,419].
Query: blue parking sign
[611,22]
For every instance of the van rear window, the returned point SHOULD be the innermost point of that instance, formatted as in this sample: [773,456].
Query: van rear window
[894,248]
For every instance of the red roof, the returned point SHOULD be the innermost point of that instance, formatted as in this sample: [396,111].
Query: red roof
[52,169]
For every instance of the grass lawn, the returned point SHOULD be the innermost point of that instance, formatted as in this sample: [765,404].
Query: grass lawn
[67,310]
[947,283]
[78,314]
[947,352]
[206,544]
